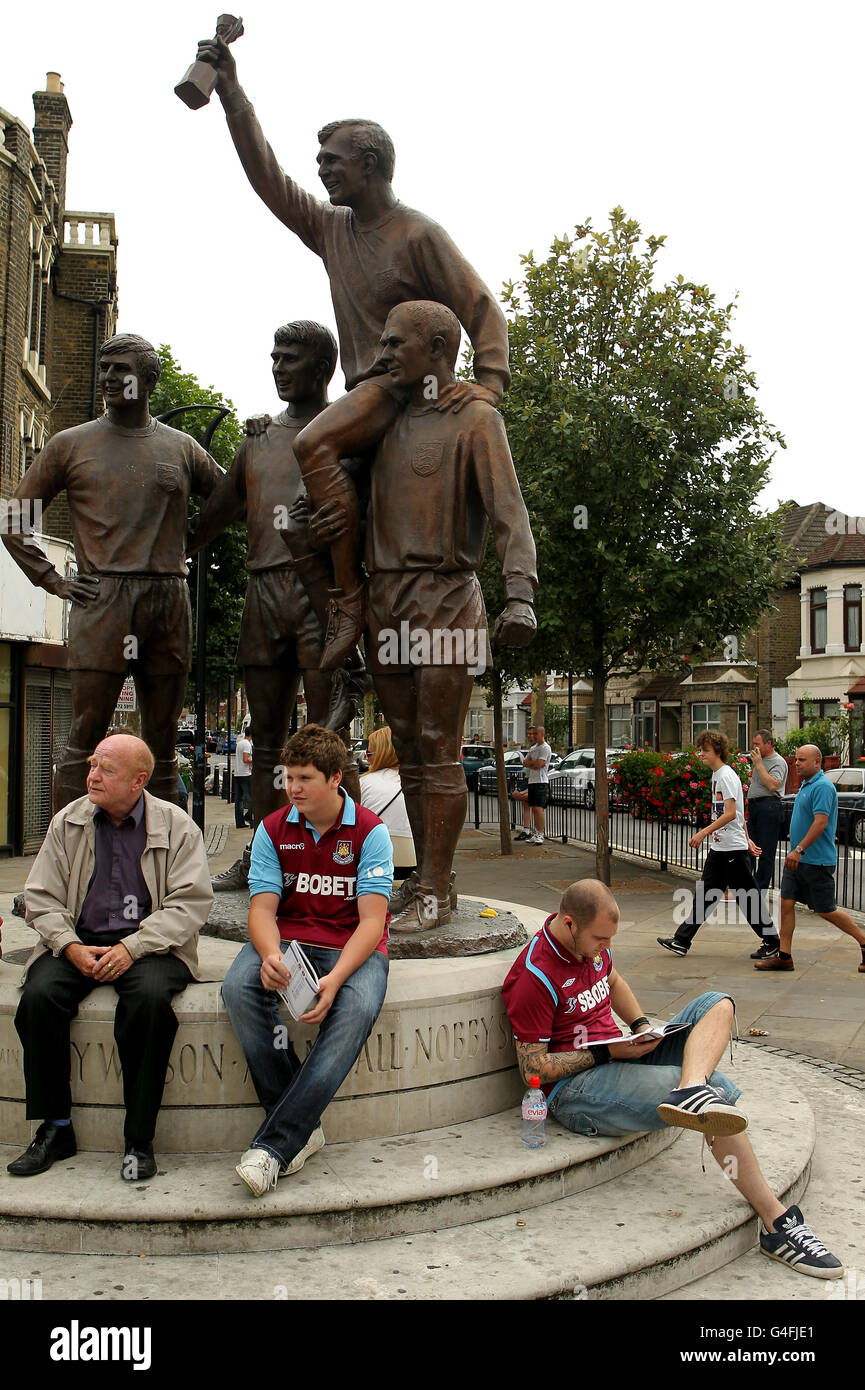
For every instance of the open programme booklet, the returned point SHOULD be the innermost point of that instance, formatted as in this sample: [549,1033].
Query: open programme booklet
[659,1030]
[303,986]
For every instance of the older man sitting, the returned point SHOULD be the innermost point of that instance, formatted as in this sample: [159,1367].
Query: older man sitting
[118,894]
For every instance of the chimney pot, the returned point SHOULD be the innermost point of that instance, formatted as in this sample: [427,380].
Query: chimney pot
[52,82]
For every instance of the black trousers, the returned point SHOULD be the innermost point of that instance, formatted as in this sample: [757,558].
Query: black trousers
[144,1029]
[723,870]
[765,818]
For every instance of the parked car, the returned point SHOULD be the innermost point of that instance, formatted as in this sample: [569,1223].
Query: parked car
[514,772]
[360,748]
[850,786]
[226,743]
[473,757]
[573,782]
[185,738]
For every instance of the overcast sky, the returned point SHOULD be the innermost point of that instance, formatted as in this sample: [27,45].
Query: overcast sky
[734,128]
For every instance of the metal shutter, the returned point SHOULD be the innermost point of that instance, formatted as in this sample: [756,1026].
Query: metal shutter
[37,757]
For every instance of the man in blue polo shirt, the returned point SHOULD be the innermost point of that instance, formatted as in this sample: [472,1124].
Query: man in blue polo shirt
[320,873]
[809,869]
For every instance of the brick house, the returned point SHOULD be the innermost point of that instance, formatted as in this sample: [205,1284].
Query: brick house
[831,669]
[776,677]
[58,272]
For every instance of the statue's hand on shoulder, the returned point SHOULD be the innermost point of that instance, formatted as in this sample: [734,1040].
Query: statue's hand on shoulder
[516,625]
[257,424]
[80,590]
[459,393]
[216,52]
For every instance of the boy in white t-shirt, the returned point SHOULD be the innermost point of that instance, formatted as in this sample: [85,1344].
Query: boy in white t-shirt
[728,862]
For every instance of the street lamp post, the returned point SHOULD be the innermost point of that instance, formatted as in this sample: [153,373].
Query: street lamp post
[199,766]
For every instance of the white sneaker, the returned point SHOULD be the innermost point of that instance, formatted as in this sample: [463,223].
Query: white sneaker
[312,1146]
[537,839]
[259,1170]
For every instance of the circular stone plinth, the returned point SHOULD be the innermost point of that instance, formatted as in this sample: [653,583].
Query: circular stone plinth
[441,1052]
[467,933]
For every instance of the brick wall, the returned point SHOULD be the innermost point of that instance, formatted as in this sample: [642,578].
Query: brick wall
[78,303]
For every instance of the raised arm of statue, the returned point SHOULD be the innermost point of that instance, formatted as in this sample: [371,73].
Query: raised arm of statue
[299,210]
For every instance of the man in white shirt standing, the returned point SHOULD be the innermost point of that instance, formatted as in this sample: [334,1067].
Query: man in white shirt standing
[727,863]
[243,779]
[537,764]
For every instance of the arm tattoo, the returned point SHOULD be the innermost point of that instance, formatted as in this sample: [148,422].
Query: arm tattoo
[534,1060]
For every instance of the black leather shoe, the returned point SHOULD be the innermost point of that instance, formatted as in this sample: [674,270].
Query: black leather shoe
[138,1164]
[51,1143]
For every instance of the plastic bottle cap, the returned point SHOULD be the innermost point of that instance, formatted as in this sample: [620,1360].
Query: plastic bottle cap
[534,1081]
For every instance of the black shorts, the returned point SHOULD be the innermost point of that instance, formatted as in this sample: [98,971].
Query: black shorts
[538,793]
[811,884]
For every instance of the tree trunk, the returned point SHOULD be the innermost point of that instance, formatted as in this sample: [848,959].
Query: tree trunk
[602,790]
[501,778]
[539,697]
[368,714]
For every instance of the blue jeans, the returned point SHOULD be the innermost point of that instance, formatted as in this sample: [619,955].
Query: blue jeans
[294,1094]
[622,1097]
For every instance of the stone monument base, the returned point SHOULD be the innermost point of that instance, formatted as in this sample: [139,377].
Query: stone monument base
[441,1053]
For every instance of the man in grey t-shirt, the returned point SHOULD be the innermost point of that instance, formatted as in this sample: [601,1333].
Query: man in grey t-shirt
[537,765]
[765,808]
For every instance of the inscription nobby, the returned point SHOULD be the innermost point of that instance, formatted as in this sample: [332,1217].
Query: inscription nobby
[463,1038]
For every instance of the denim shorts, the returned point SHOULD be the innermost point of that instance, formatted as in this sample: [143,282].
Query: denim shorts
[623,1097]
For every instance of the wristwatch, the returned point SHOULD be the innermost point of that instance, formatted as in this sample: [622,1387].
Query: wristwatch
[798,850]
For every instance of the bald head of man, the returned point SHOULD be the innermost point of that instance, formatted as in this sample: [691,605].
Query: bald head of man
[588,917]
[809,760]
[119,768]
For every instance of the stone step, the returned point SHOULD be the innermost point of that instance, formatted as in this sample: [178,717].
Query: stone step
[347,1193]
[642,1234]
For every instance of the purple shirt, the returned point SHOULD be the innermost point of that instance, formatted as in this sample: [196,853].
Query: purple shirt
[117,898]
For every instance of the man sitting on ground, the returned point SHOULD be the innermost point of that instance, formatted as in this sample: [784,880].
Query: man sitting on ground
[560,994]
[320,874]
[118,894]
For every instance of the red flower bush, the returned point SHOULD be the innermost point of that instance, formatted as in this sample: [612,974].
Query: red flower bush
[664,784]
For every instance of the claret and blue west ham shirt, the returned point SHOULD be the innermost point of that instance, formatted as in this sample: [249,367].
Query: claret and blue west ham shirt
[320,877]
[554,998]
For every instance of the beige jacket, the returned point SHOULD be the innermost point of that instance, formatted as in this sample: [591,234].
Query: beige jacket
[174,867]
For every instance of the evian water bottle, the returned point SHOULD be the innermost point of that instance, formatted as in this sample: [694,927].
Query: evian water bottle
[534,1115]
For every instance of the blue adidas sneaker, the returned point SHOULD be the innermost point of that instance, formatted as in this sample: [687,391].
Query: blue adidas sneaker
[792,1243]
[702,1108]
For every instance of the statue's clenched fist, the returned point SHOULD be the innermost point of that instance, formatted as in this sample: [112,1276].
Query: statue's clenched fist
[516,625]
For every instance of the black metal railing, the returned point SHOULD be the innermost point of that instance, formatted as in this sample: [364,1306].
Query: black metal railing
[664,841]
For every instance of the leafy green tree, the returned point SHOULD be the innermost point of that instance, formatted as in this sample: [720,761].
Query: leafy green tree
[226,557]
[641,451]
